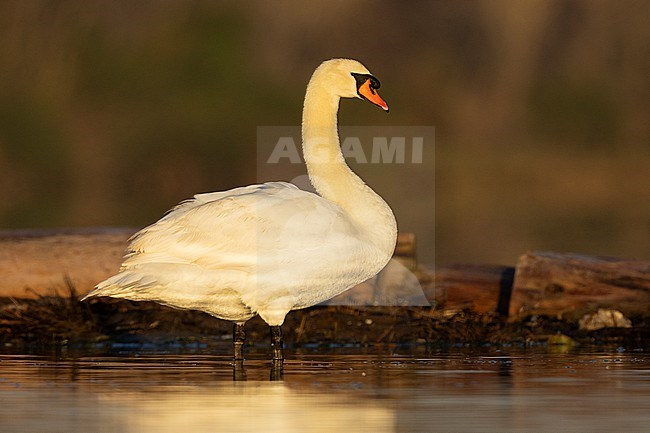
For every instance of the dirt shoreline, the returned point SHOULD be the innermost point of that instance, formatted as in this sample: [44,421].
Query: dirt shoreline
[54,321]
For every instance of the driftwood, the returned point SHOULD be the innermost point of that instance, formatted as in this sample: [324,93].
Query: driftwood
[480,288]
[44,262]
[554,284]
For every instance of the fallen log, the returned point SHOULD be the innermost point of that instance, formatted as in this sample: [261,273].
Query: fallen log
[44,262]
[572,284]
[480,288]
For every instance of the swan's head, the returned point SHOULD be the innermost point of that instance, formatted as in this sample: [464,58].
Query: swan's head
[348,78]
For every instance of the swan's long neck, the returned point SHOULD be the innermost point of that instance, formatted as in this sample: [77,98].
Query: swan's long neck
[331,176]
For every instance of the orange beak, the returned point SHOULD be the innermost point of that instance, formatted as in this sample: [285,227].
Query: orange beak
[371,95]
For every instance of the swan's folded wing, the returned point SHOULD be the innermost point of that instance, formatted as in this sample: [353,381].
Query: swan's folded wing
[239,228]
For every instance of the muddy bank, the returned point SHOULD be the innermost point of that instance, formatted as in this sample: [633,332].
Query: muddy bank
[52,321]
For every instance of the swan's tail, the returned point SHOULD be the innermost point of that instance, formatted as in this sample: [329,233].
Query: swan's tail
[126,284]
[138,285]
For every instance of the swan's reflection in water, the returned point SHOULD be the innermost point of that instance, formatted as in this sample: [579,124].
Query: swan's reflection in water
[458,391]
[246,406]
[276,371]
[182,394]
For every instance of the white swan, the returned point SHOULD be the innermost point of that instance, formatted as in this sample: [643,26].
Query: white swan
[271,248]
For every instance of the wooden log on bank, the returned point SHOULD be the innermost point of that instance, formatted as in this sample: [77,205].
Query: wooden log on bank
[43,262]
[480,288]
[572,285]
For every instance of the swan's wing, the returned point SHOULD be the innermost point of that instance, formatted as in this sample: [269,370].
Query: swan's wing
[230,254]
[201,199]
[228,230]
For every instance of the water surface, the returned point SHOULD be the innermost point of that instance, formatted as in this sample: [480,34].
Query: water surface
[346,390]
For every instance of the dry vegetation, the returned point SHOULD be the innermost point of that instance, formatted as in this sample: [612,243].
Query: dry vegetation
[55,322]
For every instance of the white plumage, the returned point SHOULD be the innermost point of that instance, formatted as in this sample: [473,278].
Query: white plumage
[270,248]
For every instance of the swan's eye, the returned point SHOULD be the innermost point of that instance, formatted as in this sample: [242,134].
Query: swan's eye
[361,79]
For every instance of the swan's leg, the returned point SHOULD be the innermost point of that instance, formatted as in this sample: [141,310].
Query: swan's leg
[238,338]
[238,370]
[277,366]
[277,370]
[276,343]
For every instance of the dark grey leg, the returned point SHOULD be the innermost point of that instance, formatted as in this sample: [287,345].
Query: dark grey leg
[238,370]
[277,366]
[277,369]
[238,338]
[276,343]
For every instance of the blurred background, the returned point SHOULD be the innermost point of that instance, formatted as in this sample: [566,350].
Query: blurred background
[112,112]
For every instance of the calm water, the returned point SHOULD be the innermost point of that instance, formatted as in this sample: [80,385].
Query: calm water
[349,391]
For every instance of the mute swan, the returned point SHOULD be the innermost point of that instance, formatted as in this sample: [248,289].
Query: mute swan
[271,248]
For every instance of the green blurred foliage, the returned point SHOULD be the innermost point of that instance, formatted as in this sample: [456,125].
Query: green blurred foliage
[582,113]
[112,112]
